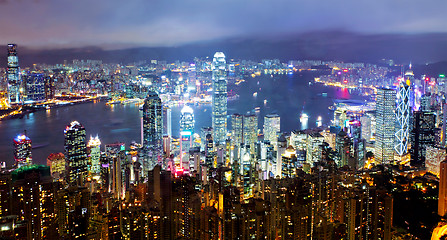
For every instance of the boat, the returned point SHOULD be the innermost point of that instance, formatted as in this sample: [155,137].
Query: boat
[319,121]
[265,101]
[255,94]
[257,109]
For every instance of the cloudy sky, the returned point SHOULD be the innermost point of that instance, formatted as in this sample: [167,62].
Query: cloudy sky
[118,24]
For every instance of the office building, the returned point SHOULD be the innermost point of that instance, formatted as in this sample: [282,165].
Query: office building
[422,135]
[152,131]
[219,106]
[76,153]
[403,113]
[13,76]
[272,128]
[442,198]
[186,129]
[22,151]
[57,164]
[94,155]
[434,156]
[237,129]
[250,130]
[35,87]
[385,125]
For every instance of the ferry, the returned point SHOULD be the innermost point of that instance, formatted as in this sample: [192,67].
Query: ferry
[265,101]
[255,94]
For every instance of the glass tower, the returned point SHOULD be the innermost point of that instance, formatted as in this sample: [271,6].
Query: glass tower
[271,127]
[76,153]
[13,75]
[403,112]
[219,116]
[385,125]
[152,131]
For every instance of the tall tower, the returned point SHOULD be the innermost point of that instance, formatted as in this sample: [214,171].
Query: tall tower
[236,126]
[250,131]
[442,199]
[385,124]
[22,151]
[94,155]
[76,153]
[219,116]
[186,128]
[152,131]
[403,112]
[13,75]
[271,127]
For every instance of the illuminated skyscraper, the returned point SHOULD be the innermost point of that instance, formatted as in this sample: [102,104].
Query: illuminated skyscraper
[442,198]
[219,116]
[167,130]
[13,75]
[271,127]
[403,112]
[35,87]
[250,130]
[152,131]
[94,154]
[423,134]
[236,133]
[385,125]
[186,128]
[76,153]
[22,151]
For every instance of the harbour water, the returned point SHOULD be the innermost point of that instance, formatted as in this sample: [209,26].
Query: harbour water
[286,95]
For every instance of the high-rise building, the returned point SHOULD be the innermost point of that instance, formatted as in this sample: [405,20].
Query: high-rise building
[49,88]
[250,130]
[237,129]
[152,131]
[385,125]
[403,112]
[271,127]
[422,135]
[33,200]
[76,153]
[186,128]
[434,156]
[56,162]
[13,75]
[219,116]
[94,155]
[442,199]
[35,87]
[167,129]
[22,151]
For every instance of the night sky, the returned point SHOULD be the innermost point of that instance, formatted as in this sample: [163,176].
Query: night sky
[113,24]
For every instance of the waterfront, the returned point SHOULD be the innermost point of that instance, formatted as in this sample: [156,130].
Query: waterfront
[286,95]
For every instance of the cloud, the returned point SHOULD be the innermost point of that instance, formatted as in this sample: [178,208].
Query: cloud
[176,22]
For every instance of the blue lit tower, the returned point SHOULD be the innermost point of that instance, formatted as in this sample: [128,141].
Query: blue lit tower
[403,112]
[219,116]
[76,153]
[385,125]
[35,87]
[186,128]
[13,75]
[152,131]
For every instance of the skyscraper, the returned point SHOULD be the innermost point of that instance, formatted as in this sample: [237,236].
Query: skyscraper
[219,116]
[22,151]
[152,131]
[250,131]
[13,75]
[35,87]
[385,125]
[76,153]
[94,154]
[186,128]
[236,132]
[403,112]
[442,199]
[271,127]
[423,134]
